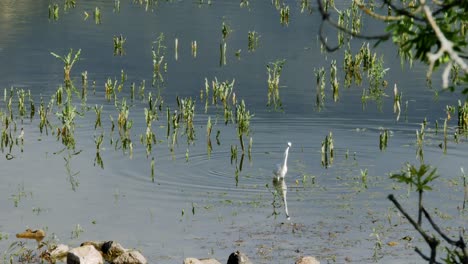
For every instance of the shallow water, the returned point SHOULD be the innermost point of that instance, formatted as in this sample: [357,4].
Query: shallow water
[197,207]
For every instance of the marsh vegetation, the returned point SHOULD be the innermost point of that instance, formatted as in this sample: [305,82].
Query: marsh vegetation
[139,123]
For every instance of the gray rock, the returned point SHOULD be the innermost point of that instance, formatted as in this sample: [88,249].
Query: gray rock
[84,255]
[201,261]
[130,257]
[307,260]
[60,251]
[56,253]
[238,258]
[110,249]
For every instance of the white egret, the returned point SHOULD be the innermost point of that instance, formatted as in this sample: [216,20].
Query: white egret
[282,169]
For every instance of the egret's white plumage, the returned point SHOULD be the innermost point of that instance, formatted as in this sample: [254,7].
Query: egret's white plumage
[282,169]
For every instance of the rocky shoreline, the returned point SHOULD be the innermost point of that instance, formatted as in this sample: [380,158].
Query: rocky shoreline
[100,252]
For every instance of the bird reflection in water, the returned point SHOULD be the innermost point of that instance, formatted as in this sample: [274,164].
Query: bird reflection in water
[280,191]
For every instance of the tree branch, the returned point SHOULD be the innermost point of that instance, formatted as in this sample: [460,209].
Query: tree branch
[446,46]
[431,241]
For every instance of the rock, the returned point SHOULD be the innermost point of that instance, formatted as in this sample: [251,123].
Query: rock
[56,253]
[209,261]
[201,261]
[37,234]
[110,249]
[307,260]
[238,258]
[130,257]
[86,254]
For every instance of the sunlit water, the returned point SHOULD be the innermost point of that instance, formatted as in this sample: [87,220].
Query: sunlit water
[198,205]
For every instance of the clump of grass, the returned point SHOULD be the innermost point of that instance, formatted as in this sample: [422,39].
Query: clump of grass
[97,15]
[98,142]
[187,109]
[159,66]
[54,12]
[253,39]
[320,90]
[274,70]
[383,139]
[225,30]
[243,117]
[194,48]
[119,42]
[67,117]
[284,14]
[69,60]
[327,151]
[335,85]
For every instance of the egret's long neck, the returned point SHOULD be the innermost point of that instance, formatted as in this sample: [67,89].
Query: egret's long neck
[285,157]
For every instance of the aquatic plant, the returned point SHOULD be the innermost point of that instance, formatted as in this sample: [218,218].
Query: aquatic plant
[97,15]
[67,117]
[54,12]
[176,48]
[284,14]
[117,6]
[222,53]
[328,151]
[274,70]
[320,82]
[187,109]
[335,85]
[225,30]
[98,142]
[244,3]
[119,42]
[243,117]
[252,38]
[194,48]
[383,139]
[158,52]
[306,6]
[69,60]
[84,84]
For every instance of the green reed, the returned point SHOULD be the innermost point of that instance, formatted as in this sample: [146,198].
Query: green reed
[158,52]
[119,42]
[327,151]
[284,14]
[383,139]
[244,3]
[225,30]
[243,117]
[320,88]
[152,169]
[97,15]
[54,12]
[176,49]
[98,111]
[222,53]
[84,84]
[67,117]
[274,70]
[335,85]
[98,159]
[306,6]
[420,142]
[117,6]
[252,40]
[68,60]
[397,101]
[187,109]
[209,128]
[462,117]
[194,48]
